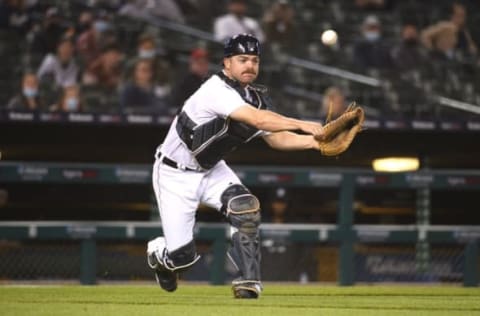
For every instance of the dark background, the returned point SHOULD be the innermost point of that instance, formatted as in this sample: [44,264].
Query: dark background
[136,144]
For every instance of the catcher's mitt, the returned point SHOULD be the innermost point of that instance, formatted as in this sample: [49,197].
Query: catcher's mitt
[339,133]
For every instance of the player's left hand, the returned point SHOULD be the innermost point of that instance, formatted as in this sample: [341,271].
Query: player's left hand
[339,133]
[313,128]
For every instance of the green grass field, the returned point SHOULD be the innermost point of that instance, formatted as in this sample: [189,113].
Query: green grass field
[194,300]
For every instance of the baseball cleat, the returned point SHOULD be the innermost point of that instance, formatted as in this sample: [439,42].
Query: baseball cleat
[247,290]
[165,278]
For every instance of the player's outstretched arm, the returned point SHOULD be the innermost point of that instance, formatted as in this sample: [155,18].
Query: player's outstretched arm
[290,141]
[272,122]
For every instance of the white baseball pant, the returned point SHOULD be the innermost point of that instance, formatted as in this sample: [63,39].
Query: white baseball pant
[179,194]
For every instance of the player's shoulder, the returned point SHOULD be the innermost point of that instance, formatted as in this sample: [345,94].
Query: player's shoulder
[224,18]
[215,82]
[250,20]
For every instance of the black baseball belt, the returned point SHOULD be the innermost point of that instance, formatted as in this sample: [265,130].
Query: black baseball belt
[172,163]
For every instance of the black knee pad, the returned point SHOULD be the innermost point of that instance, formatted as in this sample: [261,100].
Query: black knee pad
[182,258]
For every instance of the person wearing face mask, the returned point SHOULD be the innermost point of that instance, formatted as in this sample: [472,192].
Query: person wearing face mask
[409,53]
[371,51]
[235,22]
[146,53]
[28,98]
[69,101]
[140,93]
[148,49]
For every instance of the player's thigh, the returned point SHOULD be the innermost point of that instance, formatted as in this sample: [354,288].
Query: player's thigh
[176,194]
[218,180]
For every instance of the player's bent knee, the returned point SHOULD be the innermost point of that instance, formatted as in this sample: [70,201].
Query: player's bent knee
[182,258]
[237,199]
[242,208]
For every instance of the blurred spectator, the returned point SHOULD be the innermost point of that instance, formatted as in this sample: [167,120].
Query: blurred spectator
[277,204]
[333,103]
[43,38]
[197,73]
[235,22]
[465,42]
[91,41]
[139,95]
[61,66]
[280,27]
[14,23]
[145,9]
[84,21]
[29,97]
[408,54]
[147,48]
[441,39]
[105,71]
[14,16]
[450,39]
[371,51]
[293,262]
[70,100]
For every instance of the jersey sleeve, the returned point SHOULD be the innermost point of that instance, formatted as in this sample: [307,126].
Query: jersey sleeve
[224,101]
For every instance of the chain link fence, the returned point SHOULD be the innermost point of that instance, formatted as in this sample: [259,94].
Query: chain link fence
[39,260]
[282,260]
[409,263]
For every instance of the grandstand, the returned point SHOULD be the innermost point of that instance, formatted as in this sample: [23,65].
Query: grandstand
[75,183]
[433,90]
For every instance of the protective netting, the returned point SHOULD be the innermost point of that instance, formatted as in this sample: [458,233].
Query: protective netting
[409,263]
[39,260]
[282,260]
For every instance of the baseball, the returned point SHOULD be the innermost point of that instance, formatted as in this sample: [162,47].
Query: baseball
[329,37]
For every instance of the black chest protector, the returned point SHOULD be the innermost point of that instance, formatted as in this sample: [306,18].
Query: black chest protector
[210,142]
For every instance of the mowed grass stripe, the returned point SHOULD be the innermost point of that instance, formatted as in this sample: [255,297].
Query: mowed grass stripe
[276,300]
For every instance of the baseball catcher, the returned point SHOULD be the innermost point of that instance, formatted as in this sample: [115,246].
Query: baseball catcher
[227,111]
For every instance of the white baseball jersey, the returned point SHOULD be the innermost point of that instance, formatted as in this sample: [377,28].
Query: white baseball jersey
[179,191]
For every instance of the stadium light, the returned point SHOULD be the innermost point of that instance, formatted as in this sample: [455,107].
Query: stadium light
[396,164]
